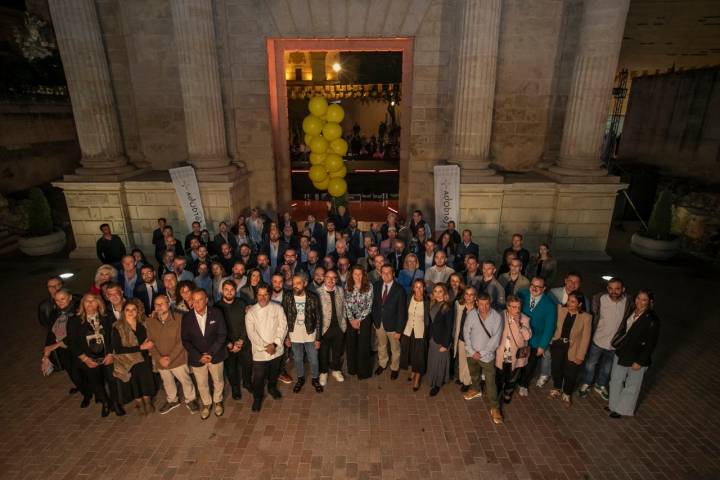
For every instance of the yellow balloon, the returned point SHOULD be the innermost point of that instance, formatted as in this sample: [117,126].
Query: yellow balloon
[319,145]
[339,146]
[312,125]
[308,139]
[340,173]
[331,131]
[318,106]
[333,162]
[335,113]
[317,173]
[323,184]
[317,158]
[337,187]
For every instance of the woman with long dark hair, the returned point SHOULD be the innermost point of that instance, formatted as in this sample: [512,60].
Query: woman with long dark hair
[439,338]
[249,291]
[130,347]
[358,306]
[634,344]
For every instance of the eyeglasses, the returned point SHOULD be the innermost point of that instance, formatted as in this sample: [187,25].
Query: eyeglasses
[536,286]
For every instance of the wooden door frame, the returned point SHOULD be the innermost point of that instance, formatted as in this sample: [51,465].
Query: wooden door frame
[276,48]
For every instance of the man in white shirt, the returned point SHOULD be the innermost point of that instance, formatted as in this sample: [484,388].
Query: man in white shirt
[114,294]
[608,310]
[266,327]
[438,273]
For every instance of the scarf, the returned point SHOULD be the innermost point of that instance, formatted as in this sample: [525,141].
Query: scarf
[123,362]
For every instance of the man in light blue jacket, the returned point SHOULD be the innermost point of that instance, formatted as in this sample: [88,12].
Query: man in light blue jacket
[482,332]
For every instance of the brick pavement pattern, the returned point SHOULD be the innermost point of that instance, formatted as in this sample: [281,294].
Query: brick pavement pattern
[376,428]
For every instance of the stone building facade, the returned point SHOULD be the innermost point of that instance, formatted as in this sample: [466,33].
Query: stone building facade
[496,86]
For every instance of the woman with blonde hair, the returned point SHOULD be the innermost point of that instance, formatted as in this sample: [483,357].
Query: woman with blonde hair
[512,353]
[90,344]
[130,347]
[440,339]
[410,272]
[413,343]
[104,273]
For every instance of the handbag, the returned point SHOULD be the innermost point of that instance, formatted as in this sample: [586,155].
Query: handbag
[522,352]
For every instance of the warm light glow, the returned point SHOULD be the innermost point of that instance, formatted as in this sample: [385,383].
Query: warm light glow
[337,67]
[607,278]
[392,103]
[67,275]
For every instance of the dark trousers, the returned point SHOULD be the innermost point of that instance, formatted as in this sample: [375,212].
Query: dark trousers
[265,372]
[529,369]
[63,359]
[506,379]
[94,380]
[564,372]
[359,359]
[332,343]
[238,367]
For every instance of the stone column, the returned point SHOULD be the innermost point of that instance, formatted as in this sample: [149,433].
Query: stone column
[86,69]
[479,31]
[200,83]
[601,33]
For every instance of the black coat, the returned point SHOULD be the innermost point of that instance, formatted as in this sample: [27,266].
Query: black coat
[461,251]
[313,313]
[393,313]
[79,331]
[212,343]
[234,314]
[140,292]
[639,341]
[441,327]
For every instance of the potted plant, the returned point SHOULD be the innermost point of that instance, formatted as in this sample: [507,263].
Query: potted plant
[657,242]
[42,238]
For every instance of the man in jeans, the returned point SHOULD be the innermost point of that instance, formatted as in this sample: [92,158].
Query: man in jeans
[608,310]
[304,318]
[482,332]
[169,356]
[334,324]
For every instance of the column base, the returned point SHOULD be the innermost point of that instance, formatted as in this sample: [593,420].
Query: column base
[217,174]
[579,175]
[480,176]
[84,174]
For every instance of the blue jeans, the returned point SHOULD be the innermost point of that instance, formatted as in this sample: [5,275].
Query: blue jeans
[312,355]
[546,363]
[603,360]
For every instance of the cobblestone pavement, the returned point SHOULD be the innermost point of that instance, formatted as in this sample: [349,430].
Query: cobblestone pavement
[376,428]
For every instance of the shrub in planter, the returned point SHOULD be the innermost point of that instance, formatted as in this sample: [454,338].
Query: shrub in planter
[41,238]
[657,242]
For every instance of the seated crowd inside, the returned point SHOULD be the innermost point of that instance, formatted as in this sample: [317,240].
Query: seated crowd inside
[264,302]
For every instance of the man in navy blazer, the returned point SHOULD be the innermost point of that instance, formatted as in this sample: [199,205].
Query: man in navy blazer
[148,288]
[203,335]
[389,314]
[465,248]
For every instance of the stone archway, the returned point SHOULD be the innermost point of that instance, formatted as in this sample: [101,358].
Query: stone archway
[276,48]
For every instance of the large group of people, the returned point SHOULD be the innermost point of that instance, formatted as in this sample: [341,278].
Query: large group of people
[264,299]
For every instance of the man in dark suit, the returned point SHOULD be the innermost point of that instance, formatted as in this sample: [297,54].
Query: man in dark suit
[389,314]
[148,289]
[285,220]
[274,249]
[356,239]
[466,247]
[157,235]
[342,251]
[316,230]
[396,257]
[203,335]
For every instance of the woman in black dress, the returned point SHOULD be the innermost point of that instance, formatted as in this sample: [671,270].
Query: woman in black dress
[130,347]
[413,344]
[439,338]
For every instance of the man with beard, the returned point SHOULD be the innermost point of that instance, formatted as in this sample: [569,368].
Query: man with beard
[304,318]
[237,275]
[226,257]
[238,365]
[318,280]
[148,289]
[277,295]
[311,264]
[263,264]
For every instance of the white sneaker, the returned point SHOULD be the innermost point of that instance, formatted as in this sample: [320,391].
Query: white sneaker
[523,392]
[542,381]
[338,376]
[323,379]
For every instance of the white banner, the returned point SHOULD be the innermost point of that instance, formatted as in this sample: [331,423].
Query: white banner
[188,193]
[447,195]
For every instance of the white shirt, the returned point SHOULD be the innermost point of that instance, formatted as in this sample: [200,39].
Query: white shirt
[201,319]
[429,261]
[330,243]
[299,333]
[611,314]
[266,325]
[386,287]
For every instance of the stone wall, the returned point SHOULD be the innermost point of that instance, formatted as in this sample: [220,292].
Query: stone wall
[133,207]
[673,123]
[573,219]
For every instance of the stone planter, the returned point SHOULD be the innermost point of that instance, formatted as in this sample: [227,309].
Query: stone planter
[45,245]
[654,249]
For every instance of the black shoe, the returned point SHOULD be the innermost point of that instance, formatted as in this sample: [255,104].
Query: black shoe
[615,415]
[434,391]
[73,390]
[458,382]
[118,409]
[379,370]
[507,399]
[85,402]
[249,389]
[415,389]
[465,388]
[105,410]
[316,384]
[606,408]
[236,395]
[275,393]
[257,405]
[394,374]
[299,384]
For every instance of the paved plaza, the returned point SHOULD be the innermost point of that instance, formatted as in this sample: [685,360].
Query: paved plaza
[377,428]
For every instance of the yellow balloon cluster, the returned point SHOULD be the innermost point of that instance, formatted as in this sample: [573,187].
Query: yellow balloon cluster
[323,135]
